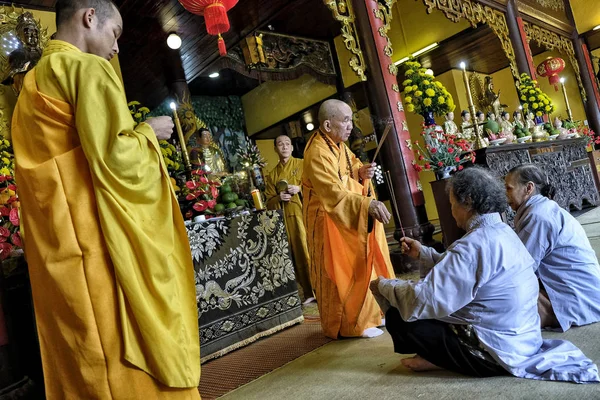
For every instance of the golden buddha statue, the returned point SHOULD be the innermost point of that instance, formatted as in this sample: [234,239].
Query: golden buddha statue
[209,153]
[24,58]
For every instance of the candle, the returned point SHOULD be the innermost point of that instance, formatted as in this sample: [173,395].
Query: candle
[257,198]
[186,156]
[479,142]
[564,90]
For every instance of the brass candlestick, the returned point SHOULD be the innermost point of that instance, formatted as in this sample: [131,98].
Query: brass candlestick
[564,90]
[479,142]
[186,156]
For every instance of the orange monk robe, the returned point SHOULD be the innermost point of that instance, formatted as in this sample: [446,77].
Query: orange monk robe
[292,213]
[109,260]
[344,255]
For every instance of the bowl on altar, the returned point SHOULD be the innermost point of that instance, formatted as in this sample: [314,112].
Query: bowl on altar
[571,135]
[552,137]
[497,142]
[524,139]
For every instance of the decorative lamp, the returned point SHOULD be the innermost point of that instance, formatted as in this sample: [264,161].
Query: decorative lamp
[550,68]
[215,16]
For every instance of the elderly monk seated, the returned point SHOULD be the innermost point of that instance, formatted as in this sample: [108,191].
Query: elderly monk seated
[346,240]
[565,263]
[475,312]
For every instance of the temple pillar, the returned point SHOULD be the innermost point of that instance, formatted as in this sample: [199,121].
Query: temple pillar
[518,38]
[386,107]
[589,83]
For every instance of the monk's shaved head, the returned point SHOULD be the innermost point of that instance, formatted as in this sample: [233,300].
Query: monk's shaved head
[332,108]
[66,9]
[335,118]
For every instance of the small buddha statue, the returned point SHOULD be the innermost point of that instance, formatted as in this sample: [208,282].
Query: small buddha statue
[480,117]
[518,119]
[25,57]
[449,125]
[530,121]
[559,127]
[208,153]
[491,116]
[506,127]
[468,133]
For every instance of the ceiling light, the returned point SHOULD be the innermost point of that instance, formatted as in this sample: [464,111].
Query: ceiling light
[174,41]
[429,72]
[214,75]
[402,61]
[596,27]
[310,126]
[425,50]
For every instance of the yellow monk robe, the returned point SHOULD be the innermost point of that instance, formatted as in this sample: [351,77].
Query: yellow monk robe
[292,212]
[344,255]
[109,260]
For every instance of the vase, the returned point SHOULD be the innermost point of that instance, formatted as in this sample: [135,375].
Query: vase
[429,118]
[539,120]
[443,173]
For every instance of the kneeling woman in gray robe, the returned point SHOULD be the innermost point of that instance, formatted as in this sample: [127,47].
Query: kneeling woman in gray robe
[565,262]
[475,312]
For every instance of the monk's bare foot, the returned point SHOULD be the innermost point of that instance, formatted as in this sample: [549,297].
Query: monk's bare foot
[371,333]
[418,364]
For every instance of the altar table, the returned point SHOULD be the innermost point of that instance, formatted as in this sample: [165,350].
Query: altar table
[245,282]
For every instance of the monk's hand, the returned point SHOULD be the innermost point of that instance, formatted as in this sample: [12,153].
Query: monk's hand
[367,171]
[379,211]
[293,189]
[410,247]
[285,196]
[162,127]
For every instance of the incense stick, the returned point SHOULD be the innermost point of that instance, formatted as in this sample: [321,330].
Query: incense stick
[393,199]
[385,133]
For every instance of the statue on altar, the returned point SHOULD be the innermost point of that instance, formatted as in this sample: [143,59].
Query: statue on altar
[468,132]
[492,99]
[530,121]
[506,127]
[27,55]
[449,125]
[209,153]
[518,119]
[480,116]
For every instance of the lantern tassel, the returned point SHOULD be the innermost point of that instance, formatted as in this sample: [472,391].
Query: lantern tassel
[222,47]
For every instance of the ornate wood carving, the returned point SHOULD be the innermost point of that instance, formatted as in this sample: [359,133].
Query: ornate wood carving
[553,41]
[384,13]
[343,12]
[476,13]
[552,4]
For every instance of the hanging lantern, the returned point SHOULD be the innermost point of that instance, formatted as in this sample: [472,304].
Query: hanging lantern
[550,68]
[215,16]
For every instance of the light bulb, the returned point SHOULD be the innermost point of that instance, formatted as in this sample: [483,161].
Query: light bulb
[463,65]
[214,75]
[173,106]
[562,80]
[310,126]
[174,41]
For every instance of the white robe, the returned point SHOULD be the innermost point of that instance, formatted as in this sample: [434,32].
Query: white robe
[564,260]
[486,279]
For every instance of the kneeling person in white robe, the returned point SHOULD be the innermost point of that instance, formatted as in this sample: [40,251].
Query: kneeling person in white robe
[475,312]
[565,263]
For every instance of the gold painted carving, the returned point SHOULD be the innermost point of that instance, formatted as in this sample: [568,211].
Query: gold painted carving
[552,41]
[343,12]
[552,4]
[384,13]
[475,13]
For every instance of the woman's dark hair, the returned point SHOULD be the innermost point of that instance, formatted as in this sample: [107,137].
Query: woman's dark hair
[525,173]
[464,112]
[478,189]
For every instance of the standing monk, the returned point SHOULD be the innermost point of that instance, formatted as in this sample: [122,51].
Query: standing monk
[289,169]
[346,240]
[109,260]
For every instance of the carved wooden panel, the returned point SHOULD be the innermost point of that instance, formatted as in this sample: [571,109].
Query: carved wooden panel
[552,12]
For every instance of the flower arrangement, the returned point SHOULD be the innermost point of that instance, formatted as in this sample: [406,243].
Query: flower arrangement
[423,93]
[172,157]
[138,112]
[249,156]
[533,99]
[441,150]
[10,235]
[581,130]
[200,195]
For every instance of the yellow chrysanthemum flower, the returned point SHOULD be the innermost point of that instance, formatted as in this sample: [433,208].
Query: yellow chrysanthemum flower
[548,108]
[408,99]
[524,98]
[415,88]
[539,113]
[144,110]
[441,100]
[407,82]
[4,171]
[532,98]
[410,108]
[5,160]
[133,103]
[525,106]
[546,101]
[408,89]
[532,92]
[418,93]
[430,92]
[427,102]
[138,115]
[439,84]
[426,82]
[409,72]
[535,106]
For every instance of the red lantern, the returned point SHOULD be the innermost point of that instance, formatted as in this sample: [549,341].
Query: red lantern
[550,68]
[215,16]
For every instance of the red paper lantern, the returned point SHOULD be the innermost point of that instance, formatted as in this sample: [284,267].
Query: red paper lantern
[215,16]
[550,68]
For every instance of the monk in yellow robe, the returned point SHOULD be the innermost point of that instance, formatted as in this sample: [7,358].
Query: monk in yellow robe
[346,239]
[289,169]
[109,260]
